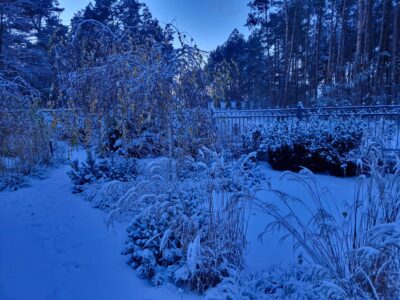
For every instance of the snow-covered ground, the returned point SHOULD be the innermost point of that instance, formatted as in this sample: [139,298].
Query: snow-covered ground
[54,245]
[269,250]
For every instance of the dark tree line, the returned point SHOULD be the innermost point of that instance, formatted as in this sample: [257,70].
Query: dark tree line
[36,48]
[315,51]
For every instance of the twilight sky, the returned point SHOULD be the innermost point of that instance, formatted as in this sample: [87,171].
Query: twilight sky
[209,22]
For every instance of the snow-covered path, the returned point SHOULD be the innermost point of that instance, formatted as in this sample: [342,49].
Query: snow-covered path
[53,245]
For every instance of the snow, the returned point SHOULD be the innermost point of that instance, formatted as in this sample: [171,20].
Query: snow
[269,250]
[53,245]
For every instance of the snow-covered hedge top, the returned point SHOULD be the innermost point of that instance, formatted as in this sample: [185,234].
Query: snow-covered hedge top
[329,137]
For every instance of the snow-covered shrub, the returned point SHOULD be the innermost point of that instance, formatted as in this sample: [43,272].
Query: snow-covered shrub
[257,139]
[105,194]
[116,168]
[157,237]
[193,129]
[189,225]
[149,141]
[299,281]
[357,244]
[316,144]
[218,247]
[13,181]
[150,186]
[23,130]
[383,133]
[338,94]
[147,144]
[130,87]
[168,215]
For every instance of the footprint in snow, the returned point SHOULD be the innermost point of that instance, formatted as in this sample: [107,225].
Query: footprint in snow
[72,267]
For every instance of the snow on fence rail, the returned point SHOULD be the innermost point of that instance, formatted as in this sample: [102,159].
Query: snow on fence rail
[377,118]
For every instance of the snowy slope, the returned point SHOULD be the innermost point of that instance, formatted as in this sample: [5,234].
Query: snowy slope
[53,245]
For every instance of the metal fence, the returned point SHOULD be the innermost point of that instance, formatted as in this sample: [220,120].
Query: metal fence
[378,118]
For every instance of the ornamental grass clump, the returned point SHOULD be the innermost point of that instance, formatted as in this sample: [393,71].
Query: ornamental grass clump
[357,244]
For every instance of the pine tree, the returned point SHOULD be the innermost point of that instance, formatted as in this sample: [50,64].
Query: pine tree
[28,31]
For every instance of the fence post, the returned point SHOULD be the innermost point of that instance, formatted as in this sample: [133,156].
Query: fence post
[299,110]
[223,104]
[211,105]
[51,148]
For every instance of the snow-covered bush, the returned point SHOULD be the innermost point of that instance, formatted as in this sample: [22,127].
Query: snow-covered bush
[357,244]
[189,224]
[157,237]
[218,247]
[335,95]
[115,168]
[132,85]
[147,144]
[13,181]
[298,281]
[193,129]
[161,228]
[24,133]
[104,194]
[320,145]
